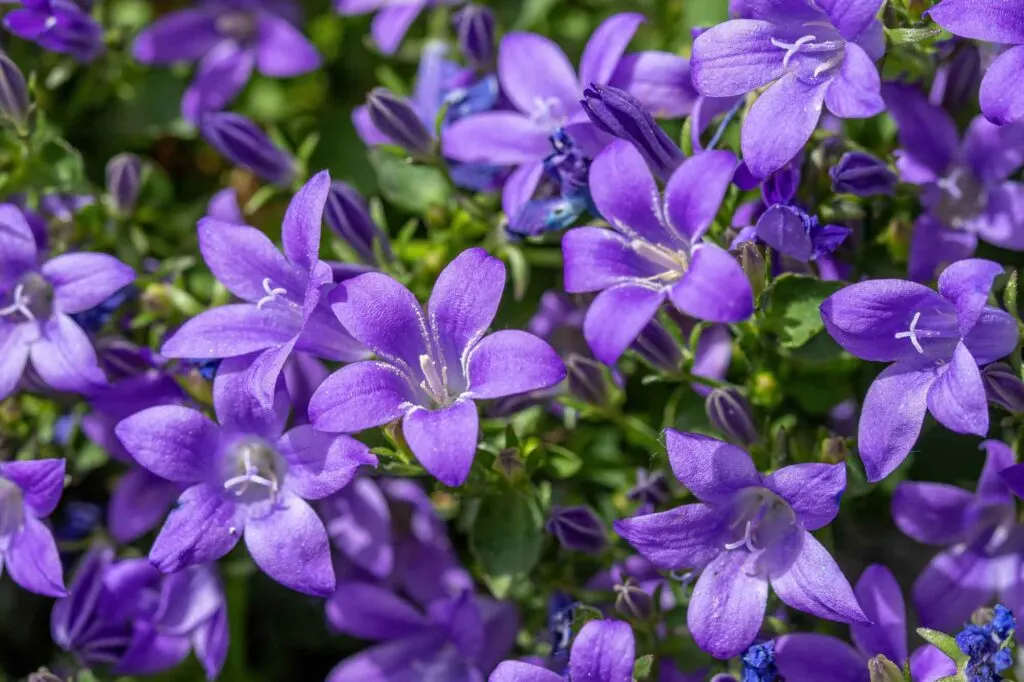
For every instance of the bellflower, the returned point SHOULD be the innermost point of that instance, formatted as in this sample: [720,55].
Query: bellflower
[545,90]
[935,341]
[965,188]
[809,657]
[58,26]
[246,477]
[393,19]
[793,232]
[434,362]
[809,54]
[228,40]
[655,250]
[36,302]
[747,531]
[981,539]
[284,310]
[998,22]
[603,651]
[29,492]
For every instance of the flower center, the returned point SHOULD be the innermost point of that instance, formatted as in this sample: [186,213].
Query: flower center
[12,509]
[957,198]
[814,56]
[255,471]
[548,113]
[674,263]
[759,521]
[435,382]
[32,299]
[272,294]
[240,26]
[947,330]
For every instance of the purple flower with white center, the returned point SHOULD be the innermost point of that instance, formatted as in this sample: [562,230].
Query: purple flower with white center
[29,492]
[747,531]
[980,537]
[792,232]
[639,572]
[246,477]
[810,54]
[545,90]
[936,341]
[655,249]
[434,362]
[393,18]
[36,304]
[994,21]
[58,26]
[603,651]
[284,308]
[127,615]
[965,188]
[458,639]
[228,38]
[807,657]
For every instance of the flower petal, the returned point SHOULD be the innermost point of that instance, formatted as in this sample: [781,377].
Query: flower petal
[15,345]
[281,49]
[967,284]
[596,258]
[928,134]
[371,612]
[695,192]
[392,23]
[689,536]
[727,606]
[529,87]
[229,331]
[957,397]
[879,595]
[851,17]
[444,440]
[321,464]
[603,650]
[1002,101]
[951,587]
[1002,222]
[138,504]
[812,490]
[515,671]
[238,408]
[289,543]
[497,137]
[33,561]
[929,664]
[300,229]
[84,280]
[709,468]
[998,457]
[616,318]
[993,337]
[41,482]
[174,442]
[520,186]
[624,192]
[360,396]
[18,251]
[203,527]
[511,362]
[358,521]
[808,657]
[891,418]
[815,585]
[64,357]
[780,123]
[220,76]
[245,261]
[181,36]
[606,46]
[735,57]
[661,81]
[932,513]
[991,20]
[714,288]
[464,302]
[993,152]
[398,660]
[856,90]
[933,246]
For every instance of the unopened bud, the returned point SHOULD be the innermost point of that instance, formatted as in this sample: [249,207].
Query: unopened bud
[1003,387]
[14,101]
[474,28]
[732,415]
[658,347]
[587,380]
[632,601]
[346,213]
[881,669]
[395,117]
[509,464]
[863,175]
[578,529]
[242,142]
[124,180]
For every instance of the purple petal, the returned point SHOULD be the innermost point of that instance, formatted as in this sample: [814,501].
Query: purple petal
[500,625]
[809,657]
[515,671]
[463,303]
[15,345]
[151,652]
[727,606]
[244,259]
[993,152]
[932,513]
[444,440]
[856,90]
[321,464]
[221,75]
[392,23]
[41,482]
[695,192]
[84,280]
[138,504]
[714,288]
[993,337]
[891,418]
[928,134]
[616,318]
[1002,101]
[606,46]
[262,379]
[1002,223]
[289,543]
[238,409]
[603,650]
[174,442]
[713,355]
[367,130]
[511,362]
[224,206]
[879,595]
[396,661]
[933,246]
[64,357]
[957,397]
[367,611]
[709,468]
[527,86]
[689,536]
[182,36]
[624,192]
[360,396]
[851,17]
[735,57]
[32,559]
[496,137]
[282,50]
[229,331]
[520,187]
[661,81]
[951,587]
[814,584]
[18,252]
[359,524]
[300,230]
[991,20]
[782,228]
[780,123]
[928,664]
[967,284]
[812,490]
[998,457]
[323,336]
[596,258]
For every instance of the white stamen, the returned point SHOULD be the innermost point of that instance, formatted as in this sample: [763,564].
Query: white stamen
[436,384]
[912,334]
[745,540]
[272,293]
[832,62]
[19,305]
[792,48]
[545,112]
[250,478]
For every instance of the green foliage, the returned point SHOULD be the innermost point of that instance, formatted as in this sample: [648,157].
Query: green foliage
[791,308]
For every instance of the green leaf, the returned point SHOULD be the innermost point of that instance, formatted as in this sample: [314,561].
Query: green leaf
[409,186]
[944,643]
[1010,294]
[910,36]
[563,461]
[506,536]
[642,667]
[791,309]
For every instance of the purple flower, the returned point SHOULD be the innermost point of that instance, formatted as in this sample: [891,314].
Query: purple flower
[127,615]
[459,639]
[284,308]
[224,207]
[998,22]
[603,651]
[806,657]
[810,54]
[229,40]
[980,536]
[58,26]
[547,99]
[935,341]
[964,185]
[393,18]
[246,477]
[36,302]
[434,362]
[747,531]
[792,232]
[655,249]
[29,492]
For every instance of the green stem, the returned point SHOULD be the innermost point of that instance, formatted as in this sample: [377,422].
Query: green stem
[237,594]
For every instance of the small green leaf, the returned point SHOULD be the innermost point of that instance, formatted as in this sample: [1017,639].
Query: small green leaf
[563,461]
[944,643]
[642,667]
[1010,294]
[791,309]
[412,187]
[910,36]
[506,536]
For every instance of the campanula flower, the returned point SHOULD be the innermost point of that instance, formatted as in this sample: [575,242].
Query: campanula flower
[603,651]
[36,304]
[393,18]
[228,40]
[862,175]
[809,55]
[284,308]
[58,26]
[793,232]
[655,249]
[29,492]
[936,341]
[244,477]
[979,535]
[747,531]
[434,362]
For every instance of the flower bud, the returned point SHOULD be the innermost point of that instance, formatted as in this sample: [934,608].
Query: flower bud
[863,175]
[124,180]
[474,29]
[14,101]
[658,347]
[620,114]
[587,380]
[509,463]
[1003,387]
[242,142]
[881,669]
[632,602]
[346,213]
[395,117]
[731,414]
[957,79]
[578,529]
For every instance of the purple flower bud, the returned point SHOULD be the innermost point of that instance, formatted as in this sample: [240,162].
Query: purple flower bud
[587,380]
[863,175]
[651,489]
[578,529]
[620,114]
[13,93]
[242,142]
[346,213]
[632,601]
[658,347]
[395,117]
[731,414]
[1003,387]
[474,28]
[792,232]
[124,180]
[957,80]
